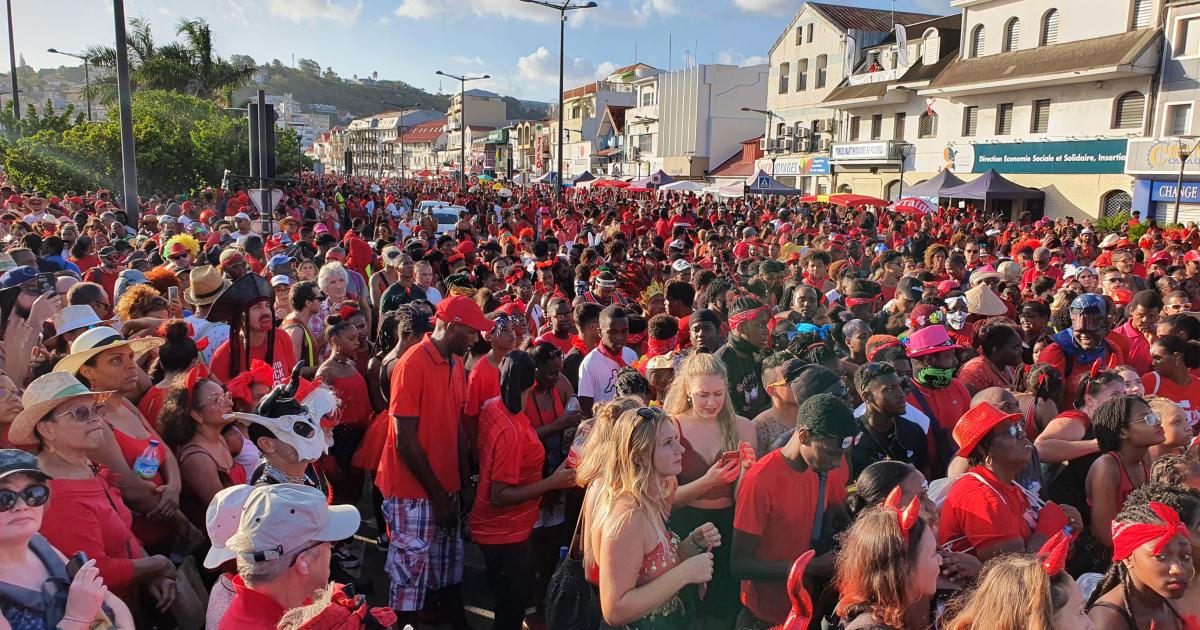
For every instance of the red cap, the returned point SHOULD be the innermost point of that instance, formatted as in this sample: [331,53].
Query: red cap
[461,310]
[177,248]
[1146,242]
[1159,257]
[274,242]
[1122,296]
[1192,256]
[1123,243]
[974,425]
[466,247]
[207,216]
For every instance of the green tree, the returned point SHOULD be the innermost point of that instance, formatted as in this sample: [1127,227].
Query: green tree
[190,66]
[35,121]
[182,143]
[309,67]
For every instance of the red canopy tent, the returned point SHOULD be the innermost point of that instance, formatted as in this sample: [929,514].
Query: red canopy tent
[425,173]
[610,183]
[853,201]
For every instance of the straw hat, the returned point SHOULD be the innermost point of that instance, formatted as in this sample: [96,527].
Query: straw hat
[97,340]
[75,317]
[986,272]
[981,300]
[45,393]
[1011,270]
[207,284]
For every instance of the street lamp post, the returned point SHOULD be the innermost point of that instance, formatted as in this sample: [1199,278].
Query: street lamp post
[87,82]
[1185,152]
[125,106]
[462,123]
[769,114]
[12,65]
[562,23]
[401,108]
[903,148]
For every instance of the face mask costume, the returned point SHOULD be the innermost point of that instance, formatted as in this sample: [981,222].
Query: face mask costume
[294,413]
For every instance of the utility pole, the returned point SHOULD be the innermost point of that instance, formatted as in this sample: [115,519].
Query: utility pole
[12,65]
[125,102]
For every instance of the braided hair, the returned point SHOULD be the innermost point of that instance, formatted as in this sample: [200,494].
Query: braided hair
[630,382]
[811,348]
[1118,575]
[1111,418]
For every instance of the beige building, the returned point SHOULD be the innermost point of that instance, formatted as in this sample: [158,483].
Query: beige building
[808,61]
[421,144]
[1046,92]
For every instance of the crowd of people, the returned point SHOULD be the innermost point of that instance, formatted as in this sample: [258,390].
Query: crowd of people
[643,410]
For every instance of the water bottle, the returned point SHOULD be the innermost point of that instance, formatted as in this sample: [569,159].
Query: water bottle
[562,553]
[146,464]
[572,405]
[576,450]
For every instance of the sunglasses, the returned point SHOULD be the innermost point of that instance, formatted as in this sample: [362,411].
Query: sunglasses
[33,496]
[1151,420]
[1015,431]
[178,256]
[6,393]
[83,413]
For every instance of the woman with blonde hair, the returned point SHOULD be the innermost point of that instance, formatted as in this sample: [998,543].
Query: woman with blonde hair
[625,510]
[716,446]
[1024,592]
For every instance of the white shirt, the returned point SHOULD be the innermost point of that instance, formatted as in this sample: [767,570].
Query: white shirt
[433,295]
[216,333]
[597,374]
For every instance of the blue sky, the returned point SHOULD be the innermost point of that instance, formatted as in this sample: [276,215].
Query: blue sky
[516,43]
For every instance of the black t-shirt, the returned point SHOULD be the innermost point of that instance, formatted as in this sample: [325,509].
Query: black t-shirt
[906,442]
[398,295]
[571,363]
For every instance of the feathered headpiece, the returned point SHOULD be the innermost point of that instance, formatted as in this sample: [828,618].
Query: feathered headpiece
[187,240]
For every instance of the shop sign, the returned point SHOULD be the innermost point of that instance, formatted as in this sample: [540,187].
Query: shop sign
[1165,191]
[861,151]
[1159,157]
[1056,157]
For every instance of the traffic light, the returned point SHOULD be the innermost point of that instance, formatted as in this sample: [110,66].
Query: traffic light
[270,141]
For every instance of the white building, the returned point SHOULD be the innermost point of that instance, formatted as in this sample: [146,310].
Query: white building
[808,60]
[1046,92]
[583,109]
[689,121]
[370,138]
[1154,159]
[422,146]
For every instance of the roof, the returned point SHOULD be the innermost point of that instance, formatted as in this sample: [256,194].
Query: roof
[737,166]
[581,91]
[630,68]
[916,29]
[918,72]
[481,93]
[862,19]
[1099,52]
[424,132]
[617,114]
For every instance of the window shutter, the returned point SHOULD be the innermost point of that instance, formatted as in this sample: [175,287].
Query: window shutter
[1129,111]
[1050,28]
[978,37]
[1142,14]
[1041,116]
[1012,35]
[970,120]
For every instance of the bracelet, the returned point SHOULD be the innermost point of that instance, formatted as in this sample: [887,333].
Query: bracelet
[692,541]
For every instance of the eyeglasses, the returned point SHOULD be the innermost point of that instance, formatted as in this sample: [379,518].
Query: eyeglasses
[1151,420]
[179,256]
[1015,431]
[6,393]
[82,413]
[33,496]
[215,400]
[301,550]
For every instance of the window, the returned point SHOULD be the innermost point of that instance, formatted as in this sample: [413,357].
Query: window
[970,121]
[898,126]
[801,75]
[647,98]
[876,126]
[891,192]
[1143,13]
[1012,35]
[1127,112]
[1115,202]
[575,111]
[780,130]
[646,143]
[845,189]
[927,127]
[1178,119]
[1004,116]
[822,61]
[930,47]
[809,28]
[799,35]
[1049,28]
[1187,40]
[784,70]
[1039,121]
[855,125]
[978,35]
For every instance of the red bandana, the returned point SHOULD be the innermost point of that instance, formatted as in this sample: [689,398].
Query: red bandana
[745,316]
[615,358]
[1129,536]
[656,347]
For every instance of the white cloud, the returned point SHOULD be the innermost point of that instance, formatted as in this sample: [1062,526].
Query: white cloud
[734,58]
[425,9]
[314,10]
[541,66]
[418,9]
[767,7]
[474,61]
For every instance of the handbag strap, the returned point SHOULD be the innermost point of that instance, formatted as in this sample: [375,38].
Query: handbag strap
[576,543]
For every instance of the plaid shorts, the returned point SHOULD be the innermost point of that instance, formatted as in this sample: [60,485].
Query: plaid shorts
[421,556]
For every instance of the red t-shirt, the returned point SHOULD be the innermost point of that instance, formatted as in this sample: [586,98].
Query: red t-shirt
[977,514]
[979,374]
[283,359]
[1053,354]
[482,385]
[509,452]
[564,345]
[86,263]
[427,386]
[1188,396]
[250,610]
[777,504]
[106,279]
[1137,352]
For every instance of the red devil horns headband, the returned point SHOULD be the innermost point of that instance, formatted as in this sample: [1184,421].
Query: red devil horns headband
[1053,554]
[908,515]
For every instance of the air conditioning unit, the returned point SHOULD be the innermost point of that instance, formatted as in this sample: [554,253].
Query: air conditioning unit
[764,144]
[825,126]
[785,144]
[823,145]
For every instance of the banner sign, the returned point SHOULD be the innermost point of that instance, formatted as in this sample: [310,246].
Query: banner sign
[1057,157]
[861,151]
[1161,157]
[1165,191]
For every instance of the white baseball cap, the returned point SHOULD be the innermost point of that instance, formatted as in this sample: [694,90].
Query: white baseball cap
[221,521]
[242,216]
[280,279]
[681,265]
[280,519]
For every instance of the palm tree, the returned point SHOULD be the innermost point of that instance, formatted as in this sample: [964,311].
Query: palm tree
[189,67]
